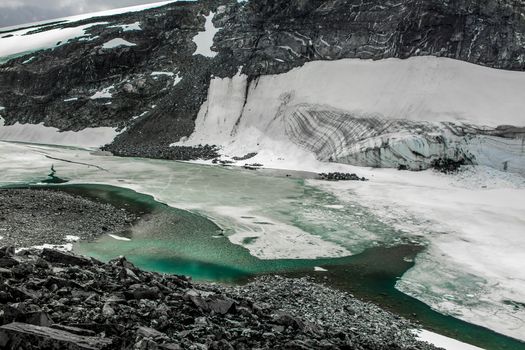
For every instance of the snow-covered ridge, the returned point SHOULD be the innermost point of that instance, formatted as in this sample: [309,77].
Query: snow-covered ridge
[20,42]
[76,18]
[349,109]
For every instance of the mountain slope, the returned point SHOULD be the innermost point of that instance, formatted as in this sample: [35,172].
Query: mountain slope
[152,86]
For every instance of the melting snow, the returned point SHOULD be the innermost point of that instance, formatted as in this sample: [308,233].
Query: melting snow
[127,27]
[105,93]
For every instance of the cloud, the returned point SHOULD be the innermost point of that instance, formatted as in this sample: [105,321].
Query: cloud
[23,11]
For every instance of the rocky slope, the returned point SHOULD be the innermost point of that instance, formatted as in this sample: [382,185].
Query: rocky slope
[154,86]
[56,300]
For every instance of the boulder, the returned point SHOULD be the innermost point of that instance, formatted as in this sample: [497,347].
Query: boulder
[216,303]
[25,336]
[56,256]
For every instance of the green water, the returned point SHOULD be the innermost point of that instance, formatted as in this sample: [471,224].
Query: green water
[177,241]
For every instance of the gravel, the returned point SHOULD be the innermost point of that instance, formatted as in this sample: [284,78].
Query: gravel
[30,217]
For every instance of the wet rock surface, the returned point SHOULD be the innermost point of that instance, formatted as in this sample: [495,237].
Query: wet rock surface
[448,166]
[336,176]
[50,300]
[30,217]
[258,37]
[205,152]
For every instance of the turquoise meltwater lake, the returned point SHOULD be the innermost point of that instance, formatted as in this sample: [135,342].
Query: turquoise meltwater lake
[230,225]
[171,240]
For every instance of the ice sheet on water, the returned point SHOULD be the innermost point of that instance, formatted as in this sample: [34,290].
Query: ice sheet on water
[473,265]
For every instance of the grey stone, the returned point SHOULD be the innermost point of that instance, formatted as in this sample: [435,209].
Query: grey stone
[26,336]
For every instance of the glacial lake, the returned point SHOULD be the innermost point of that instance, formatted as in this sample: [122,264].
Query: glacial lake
[171,240]
[229,225]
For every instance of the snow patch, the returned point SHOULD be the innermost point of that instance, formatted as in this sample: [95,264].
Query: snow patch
[29,60]
[127,27]
[204,40]
[443,342]
[62,247]
[177,79]
[334,206]
[117,42]
[319,269]
[169,74]
[119,238]
[275,240]
[71,99]
[70,238]
[105,93]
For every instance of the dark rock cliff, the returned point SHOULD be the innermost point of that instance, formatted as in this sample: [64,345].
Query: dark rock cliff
[262,37]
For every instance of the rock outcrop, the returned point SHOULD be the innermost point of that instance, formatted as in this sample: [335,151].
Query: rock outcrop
[54,300]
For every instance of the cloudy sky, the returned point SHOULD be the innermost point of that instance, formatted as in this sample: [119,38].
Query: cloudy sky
[24,11]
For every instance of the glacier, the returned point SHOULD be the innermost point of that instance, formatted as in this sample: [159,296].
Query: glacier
[386,113]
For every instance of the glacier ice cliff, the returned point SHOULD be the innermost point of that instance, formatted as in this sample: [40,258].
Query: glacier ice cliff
[387,113]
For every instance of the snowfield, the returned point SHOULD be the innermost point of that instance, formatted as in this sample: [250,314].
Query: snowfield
[83,16]
[38,133]
[22,42]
